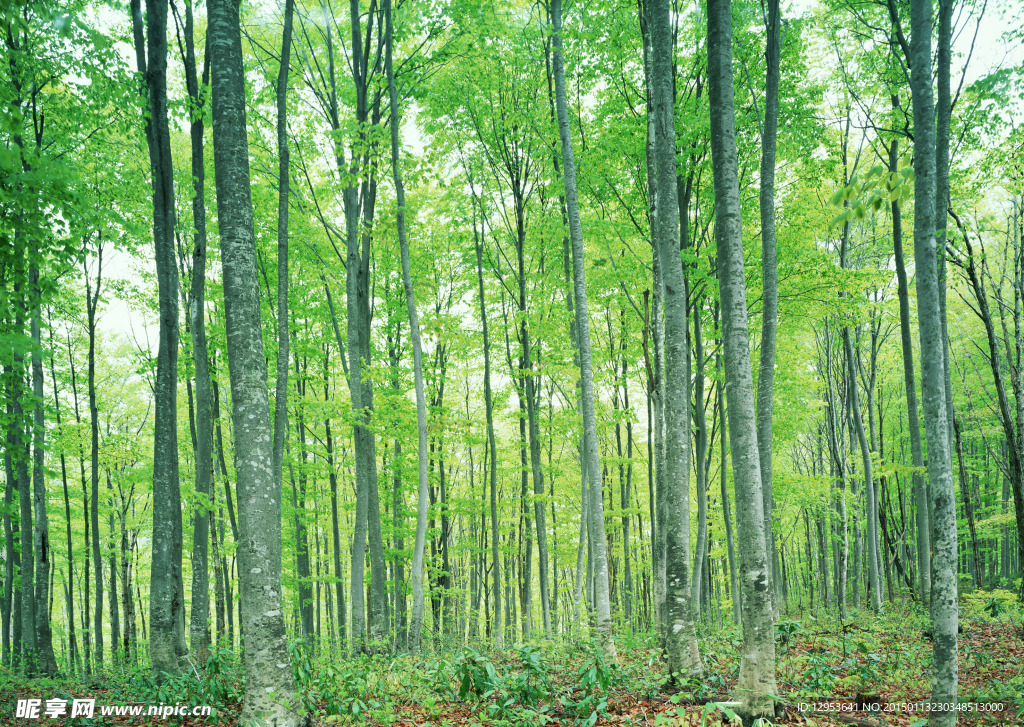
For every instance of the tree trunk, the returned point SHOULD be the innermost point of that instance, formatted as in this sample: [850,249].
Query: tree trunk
[28,657]
[757,669]
[944,607]
[269,685]
[913,421]
[199,621]
[492,456]
[681,639]
[10,650]
[46,661]
[769,265]
[283,179]
[166,606]
[74,663]
[86,631]
[872,506]
[416,622]
[596,500]
[734,584]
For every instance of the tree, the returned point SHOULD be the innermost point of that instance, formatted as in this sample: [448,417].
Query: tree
[944,607]
[269,685]
[595,499]
[756,681]
[769,263]
[199,621]
[166,616]
[681,639]
[416,623]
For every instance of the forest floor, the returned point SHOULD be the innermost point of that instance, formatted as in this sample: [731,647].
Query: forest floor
[864,671]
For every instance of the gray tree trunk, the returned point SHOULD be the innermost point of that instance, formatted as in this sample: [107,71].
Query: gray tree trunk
[28,657]
[700,575]
[656,368]
[283,185]
[166,602]
[70,602]
[46,662]
[97,630]
[683,654]
[199,616]
[10,650]
[492,462]
[269,685]
[944,607]
[769,265]
[416,621]
[872,506]
[757,668]
[595,498]
[734,584]
[913,421]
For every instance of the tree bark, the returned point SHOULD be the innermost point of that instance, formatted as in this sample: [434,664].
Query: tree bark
[872,506]
[269,685]
[28,658]
[681,639]
[492,458]
[416,621]
[166,605]
[769,264]
[596,500]
[73,656]
[944,607]
[757,668]
[46,661]
[199,621]
[734,584]
[913,420]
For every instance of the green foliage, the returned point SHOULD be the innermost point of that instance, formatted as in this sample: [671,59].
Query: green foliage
[476,675]
[785,631]
[533,683]
[341,691]
[219,683]
[597,674]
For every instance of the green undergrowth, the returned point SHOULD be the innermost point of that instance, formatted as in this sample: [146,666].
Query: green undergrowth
[541,682]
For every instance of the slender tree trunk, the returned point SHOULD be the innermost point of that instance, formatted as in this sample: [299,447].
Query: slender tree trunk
[339,587]
[416,623]
[46,661]
[492,457]
[700,576]
[166,605]
[113,603]
[10,650]
[86,631]
[74,662]
[872,506]
[734,584]
[199,621]
[769,264]
[757,669]
[681,638]
[596,500]
[913,421]
[269,685]
[28,657]
[944,607]
[283,179]
[977,569]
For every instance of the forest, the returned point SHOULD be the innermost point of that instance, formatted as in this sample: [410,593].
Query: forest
[494,364]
